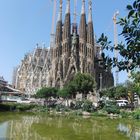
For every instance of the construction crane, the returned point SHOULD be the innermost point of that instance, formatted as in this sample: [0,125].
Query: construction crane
[115,46]
[53,23]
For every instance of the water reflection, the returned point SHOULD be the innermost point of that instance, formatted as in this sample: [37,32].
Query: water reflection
[43,127]
[21,129]
[130,131]
[3,130]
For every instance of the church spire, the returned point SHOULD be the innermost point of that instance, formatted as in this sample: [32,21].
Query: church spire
[90,32]
[83,7]
[82,27]
[67,23]
[60,12]
[58,34]
[90,11]
[68,7]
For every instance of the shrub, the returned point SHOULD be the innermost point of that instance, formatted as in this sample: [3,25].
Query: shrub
[100,113]
[16,107]
[78,112]
[87,106]
[136,114]
[39,109]
[24,107]
[61,107]
[101,104]
[7,107]
[78,104]
[111,107]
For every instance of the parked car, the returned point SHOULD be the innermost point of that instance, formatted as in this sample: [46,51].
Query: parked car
[122,103]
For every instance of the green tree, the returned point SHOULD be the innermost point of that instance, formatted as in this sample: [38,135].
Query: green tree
[72,89]
[121,92]
[117,92]
[110,92]
[82,83]
[64,92]
[130,91]
[135,76]
[130,51]
[46,92]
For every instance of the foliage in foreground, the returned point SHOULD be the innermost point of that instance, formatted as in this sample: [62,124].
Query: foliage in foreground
[130,50]
[136,114]
[111,107]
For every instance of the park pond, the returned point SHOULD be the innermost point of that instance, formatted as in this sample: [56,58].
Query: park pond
[16,126]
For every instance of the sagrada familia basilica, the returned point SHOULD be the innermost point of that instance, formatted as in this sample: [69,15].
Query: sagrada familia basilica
[74,50]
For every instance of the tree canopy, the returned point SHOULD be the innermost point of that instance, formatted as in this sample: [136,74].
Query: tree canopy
[46,92]
[64,92]
[82,83]
[117,92]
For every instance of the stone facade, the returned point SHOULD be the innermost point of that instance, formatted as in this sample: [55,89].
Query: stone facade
[74,50]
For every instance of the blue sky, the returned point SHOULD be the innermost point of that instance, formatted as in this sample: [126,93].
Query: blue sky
[24,23]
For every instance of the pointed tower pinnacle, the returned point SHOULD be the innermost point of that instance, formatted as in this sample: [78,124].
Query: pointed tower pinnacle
[67,23]
[90,32]
[60,11]
[58,34]
[82,26]
[90,11]
[83,7]
[68,7]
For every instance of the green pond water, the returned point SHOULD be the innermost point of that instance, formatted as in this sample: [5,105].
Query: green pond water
[14,126]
